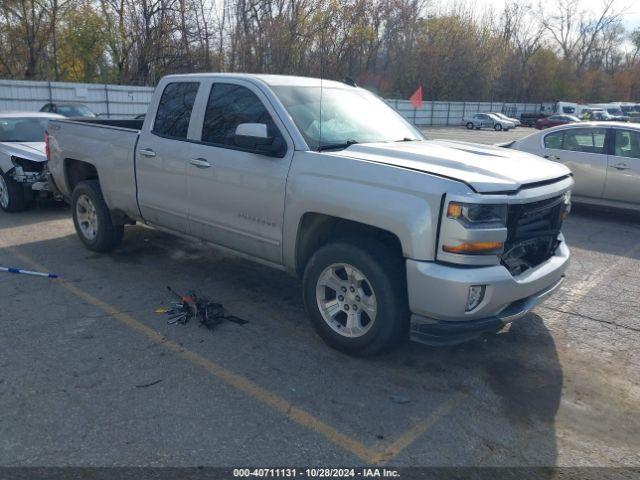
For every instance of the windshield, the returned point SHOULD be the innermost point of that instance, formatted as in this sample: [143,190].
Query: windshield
[22,129]
[348,116]
[75,111]
[615,111]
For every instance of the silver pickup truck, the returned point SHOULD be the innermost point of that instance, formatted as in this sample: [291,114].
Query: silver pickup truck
[392,235]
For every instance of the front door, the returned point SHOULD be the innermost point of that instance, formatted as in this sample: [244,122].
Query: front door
[161,159]
[583,151]
[237,195]
[623,172]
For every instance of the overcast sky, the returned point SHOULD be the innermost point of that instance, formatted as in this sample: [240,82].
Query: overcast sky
[631,7]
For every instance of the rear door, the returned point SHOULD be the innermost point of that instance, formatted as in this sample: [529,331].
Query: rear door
[623,172]
[162,158]
[583,151]
[237,195]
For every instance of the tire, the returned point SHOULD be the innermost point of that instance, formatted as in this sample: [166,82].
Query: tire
[469,126]
[497,127]
[379,281]
[12,197]
[91,215]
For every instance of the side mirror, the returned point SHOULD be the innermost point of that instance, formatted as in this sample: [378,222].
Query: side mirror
[255,136]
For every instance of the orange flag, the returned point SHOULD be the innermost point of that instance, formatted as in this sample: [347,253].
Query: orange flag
[416,98]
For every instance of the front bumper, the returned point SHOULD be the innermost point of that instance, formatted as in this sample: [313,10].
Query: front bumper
[438,295]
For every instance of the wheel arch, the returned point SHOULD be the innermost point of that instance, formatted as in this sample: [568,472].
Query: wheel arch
[75,171]
[318,229]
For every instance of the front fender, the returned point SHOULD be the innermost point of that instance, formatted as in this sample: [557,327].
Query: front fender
[5,162]
[401,201]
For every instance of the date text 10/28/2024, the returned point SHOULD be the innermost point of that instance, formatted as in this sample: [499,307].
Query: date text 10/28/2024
[316,472]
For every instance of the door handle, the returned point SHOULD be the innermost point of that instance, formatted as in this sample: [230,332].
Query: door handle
[200,162]
[552,157]
[147,152]
[621,166]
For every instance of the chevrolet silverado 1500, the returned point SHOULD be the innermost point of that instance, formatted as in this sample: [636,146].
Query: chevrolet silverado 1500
[392,234]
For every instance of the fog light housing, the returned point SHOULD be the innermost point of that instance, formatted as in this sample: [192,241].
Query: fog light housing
[475,297]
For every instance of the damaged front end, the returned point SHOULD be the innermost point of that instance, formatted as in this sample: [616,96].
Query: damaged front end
[31,174]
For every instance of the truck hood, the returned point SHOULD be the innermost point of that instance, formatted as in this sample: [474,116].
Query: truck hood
[33,151]
[485,168]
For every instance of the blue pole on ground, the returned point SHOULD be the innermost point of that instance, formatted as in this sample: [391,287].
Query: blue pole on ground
[27,272]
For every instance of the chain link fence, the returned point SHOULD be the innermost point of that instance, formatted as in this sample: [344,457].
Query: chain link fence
[452,113]
[122,101]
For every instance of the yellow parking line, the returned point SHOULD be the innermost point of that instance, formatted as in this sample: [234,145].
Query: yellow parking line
[417,431]
[270,399]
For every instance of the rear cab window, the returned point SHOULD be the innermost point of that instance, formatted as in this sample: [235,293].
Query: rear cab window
[174,110]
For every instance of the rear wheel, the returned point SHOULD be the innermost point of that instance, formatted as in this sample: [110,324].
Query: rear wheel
[469,125]
[12,197]
[92,219]
[356,296]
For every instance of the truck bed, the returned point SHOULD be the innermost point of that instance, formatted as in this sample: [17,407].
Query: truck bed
[108,145]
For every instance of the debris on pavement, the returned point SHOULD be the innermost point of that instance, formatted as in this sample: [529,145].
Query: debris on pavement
[400,399]
[27,272]
[189,306]
[145,385]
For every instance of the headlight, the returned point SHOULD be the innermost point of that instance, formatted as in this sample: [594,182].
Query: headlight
[478,215]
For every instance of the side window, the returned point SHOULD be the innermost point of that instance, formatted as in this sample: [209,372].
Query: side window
[229,106]
[174,110]
[627,143]
[553,140]
[587,140]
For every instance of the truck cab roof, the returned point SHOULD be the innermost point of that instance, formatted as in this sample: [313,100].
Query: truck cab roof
[270,80]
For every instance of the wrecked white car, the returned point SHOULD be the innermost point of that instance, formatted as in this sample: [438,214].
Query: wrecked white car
[22,158]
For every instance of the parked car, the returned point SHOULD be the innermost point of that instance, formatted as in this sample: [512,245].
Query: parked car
[530,119]
[391,234]
[502,116]
[590,114]
[555,120]
[559,108]
[22,158]
[487,120]
[78,110]
[603,156]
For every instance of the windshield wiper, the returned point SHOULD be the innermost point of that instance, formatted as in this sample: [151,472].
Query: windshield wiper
[407,139]
[336,146]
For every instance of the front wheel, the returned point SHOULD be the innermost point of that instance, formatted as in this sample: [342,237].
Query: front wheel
[92,219]
[356,297]
[497,127]
[12,198]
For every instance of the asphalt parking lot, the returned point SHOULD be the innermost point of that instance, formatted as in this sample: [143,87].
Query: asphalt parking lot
[90,375]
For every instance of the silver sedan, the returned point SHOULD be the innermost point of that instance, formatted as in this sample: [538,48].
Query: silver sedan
[604,158]
[487,120]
